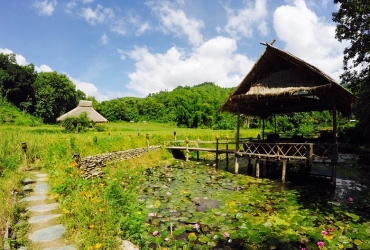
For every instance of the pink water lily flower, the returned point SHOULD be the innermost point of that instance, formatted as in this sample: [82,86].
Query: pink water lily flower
[226,235]
[155,233]
[151,214]
[196,226]
[324,232]
[330,229]
[320,244]
[350,199]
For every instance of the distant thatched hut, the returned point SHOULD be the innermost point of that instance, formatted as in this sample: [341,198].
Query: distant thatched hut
[84,106]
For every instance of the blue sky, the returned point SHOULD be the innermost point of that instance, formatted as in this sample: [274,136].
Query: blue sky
[113,49]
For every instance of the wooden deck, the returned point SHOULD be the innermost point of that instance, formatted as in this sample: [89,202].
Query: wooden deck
[284,152]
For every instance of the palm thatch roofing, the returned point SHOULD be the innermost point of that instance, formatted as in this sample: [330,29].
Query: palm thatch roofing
[280,82]
[84,106]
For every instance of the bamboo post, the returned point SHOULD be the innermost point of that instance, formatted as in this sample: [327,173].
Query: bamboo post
[174,135]
[147,141]
[258,168]
[227,148]
[217,138]
[197,145]
[24,148]
[335,151]
[283,172]
[187,148]
[236,164]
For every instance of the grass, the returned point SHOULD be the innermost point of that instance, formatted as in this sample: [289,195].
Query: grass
[97,212]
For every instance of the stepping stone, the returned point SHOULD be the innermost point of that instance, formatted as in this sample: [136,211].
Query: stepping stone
[27,187]
[34,198]
[41,175]
[43,218]
[69,247]
[41,179]
[48,233]
[42,188]
[27,181]
[43,208]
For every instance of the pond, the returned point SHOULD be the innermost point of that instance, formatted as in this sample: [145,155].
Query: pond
[198,206]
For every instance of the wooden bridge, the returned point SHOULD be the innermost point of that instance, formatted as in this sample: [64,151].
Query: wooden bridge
[284,151]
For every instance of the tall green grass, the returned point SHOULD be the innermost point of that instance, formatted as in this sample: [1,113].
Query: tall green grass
[95,211]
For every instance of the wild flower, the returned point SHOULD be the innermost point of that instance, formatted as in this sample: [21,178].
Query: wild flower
[196,198]
[324,232]
[350,199]
[151,214]
[98,245]
[101,210]
[320,244]
[226,235]
[155,233]
[330,229]
[196,226]
[91,226]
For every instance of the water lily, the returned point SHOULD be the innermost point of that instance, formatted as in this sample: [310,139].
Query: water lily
[155,233]
[226,235]
[324,232]
[196,226]
[151,214]
[350,199]
[320,244]
[330,229]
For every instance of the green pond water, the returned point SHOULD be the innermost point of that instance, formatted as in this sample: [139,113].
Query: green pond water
[198,206]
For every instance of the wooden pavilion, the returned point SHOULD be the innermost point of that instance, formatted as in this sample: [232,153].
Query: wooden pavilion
[279,83]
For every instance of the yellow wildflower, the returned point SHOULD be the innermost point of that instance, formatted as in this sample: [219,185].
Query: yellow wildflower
[101,210]
[98,245]
[91,226]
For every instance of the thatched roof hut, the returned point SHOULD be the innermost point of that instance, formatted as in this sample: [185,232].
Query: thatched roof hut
[280,82]
[84,106]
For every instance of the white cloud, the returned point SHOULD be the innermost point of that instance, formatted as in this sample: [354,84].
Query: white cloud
[43,68]
[119,27]
[87,1]
[214,61]
[88,88]
[242,22]
[104,39]
[45,8]
[309,37]
[98,15]
[176,21]
[21,60]
[70,6]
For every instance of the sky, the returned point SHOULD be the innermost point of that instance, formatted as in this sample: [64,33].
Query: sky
[121,48]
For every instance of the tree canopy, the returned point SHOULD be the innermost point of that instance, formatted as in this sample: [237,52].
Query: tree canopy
[353,25]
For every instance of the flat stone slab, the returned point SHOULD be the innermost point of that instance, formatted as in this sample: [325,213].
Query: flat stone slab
[41,188]
[43,218]
[27,187]
[48,233]
[34,198]
[41,175]
[69,247]
[27,181]
[43,208]
[41,179]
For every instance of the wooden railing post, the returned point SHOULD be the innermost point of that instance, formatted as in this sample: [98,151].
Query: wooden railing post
[187,148]
[217,138]
[197,145]
[227,148]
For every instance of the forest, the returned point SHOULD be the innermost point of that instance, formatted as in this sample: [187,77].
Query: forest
[47,95]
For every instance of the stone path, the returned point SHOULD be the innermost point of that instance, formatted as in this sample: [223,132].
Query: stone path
[45,231]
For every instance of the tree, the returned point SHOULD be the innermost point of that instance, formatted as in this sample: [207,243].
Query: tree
[353,24]
[55,94]
[16,82]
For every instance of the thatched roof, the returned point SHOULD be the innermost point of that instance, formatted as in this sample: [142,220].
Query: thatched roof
[280,82]
[84,106]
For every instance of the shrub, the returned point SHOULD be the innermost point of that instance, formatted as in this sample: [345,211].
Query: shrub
[76,124]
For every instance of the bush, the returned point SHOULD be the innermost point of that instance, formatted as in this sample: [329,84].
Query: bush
[76,124]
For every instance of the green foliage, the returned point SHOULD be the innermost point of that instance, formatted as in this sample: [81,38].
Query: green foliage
[9,114]
[353,25]
[76,124]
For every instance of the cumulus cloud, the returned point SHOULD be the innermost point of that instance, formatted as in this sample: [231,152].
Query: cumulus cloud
[174,20]
[242,22]
[45,8]
[98,15]
[309,37]
[131,21]
[104,39]
[43,68]
[215,61]
[21,60]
